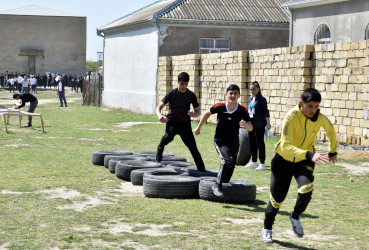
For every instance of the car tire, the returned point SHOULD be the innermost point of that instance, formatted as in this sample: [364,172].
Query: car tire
[235,192]
[244,151]
[98,156]
[123,169]
[169,184]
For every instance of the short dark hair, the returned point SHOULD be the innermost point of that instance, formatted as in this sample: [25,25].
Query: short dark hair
[233,87]
[311,95]
[184,77]
[15,95]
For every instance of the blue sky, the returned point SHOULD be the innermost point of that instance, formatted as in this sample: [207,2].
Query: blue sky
[98,13]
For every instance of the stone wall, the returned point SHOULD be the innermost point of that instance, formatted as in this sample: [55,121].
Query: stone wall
[339,71]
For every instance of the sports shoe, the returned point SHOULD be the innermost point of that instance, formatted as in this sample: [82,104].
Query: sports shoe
[297,227]
[261,167]
[217,190]
[159,155]
[267,236]
[251,165]
[27,126]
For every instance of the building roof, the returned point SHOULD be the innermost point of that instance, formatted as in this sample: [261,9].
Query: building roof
[261,11]
[294,4]
[36,10]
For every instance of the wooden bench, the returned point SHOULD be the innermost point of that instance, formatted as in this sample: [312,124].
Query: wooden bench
[7,112]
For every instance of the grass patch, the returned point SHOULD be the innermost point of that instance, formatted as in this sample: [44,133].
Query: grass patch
[51,196]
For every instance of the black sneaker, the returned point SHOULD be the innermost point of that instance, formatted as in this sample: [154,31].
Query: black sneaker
[27,126]
[159,155]
[217,190]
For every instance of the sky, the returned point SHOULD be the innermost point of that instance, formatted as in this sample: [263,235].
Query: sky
[98,13]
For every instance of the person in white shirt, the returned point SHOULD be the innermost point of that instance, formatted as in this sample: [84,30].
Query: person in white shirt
[61,91]
[33,82]
[11,84]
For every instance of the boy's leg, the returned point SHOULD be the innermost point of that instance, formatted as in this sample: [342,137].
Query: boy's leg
[189,140]
[31,109]
[170,132]
[280,180]
[229,158]
[305,178]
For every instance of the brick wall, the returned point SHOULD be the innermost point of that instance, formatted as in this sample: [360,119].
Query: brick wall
[339,71]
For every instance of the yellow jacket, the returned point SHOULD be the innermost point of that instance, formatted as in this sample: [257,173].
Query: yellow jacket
[299,134]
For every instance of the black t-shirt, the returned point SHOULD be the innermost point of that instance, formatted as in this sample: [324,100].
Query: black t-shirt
[180,104]
[228,123]
[27,97]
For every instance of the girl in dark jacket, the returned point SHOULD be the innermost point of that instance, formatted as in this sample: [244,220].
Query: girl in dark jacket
[259,114]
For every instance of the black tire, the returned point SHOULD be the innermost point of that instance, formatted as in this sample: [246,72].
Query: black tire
[166,158]
[180,165]
[98,156]
[195,173]
[137,175]
[114,161]
[107,158]
[123,169]
[235,192]
[169,184]
[151,153]
[244,152]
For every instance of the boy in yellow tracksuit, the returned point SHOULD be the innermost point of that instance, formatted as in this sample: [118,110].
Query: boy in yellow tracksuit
[295,156]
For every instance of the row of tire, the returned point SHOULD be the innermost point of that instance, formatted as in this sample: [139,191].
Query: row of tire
[173,177]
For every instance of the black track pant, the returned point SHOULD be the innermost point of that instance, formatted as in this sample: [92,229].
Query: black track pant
[184,130]
[228,154]
[280,180]
[31,109]
[256,137]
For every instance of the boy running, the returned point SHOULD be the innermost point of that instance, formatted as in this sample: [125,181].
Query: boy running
[178,120]
[295,157]
[230,117]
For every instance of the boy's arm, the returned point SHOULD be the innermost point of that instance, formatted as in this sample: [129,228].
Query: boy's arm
[246,125]
[331,134]
[194,114]
[204,118]
[289,150]
[161,117]
[246,122]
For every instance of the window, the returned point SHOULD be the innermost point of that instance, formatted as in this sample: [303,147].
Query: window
[367,32]
[322,35]
[214,45]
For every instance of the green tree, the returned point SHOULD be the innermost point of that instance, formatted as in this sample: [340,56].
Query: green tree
[92,65]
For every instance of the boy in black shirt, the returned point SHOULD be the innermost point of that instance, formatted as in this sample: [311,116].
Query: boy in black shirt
[230,117]
[178,120]
[27,97]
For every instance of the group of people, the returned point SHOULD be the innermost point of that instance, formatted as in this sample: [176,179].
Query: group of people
[295,154]
[27,83]
[26,96]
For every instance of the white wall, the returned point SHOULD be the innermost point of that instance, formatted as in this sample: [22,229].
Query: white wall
[346,20]
[130,66]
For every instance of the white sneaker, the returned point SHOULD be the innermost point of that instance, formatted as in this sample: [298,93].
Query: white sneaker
[267,236]
[251,165]
[297,227]
[261,167]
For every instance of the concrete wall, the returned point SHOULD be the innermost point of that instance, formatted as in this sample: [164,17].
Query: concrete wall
[62,40]
[130,66]
[186,40]
[346,20]
[339,71]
